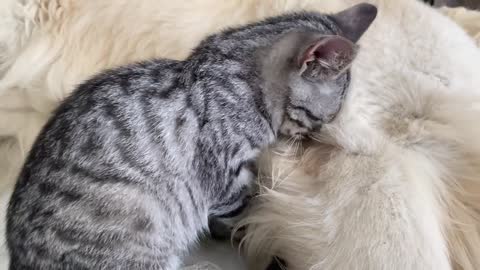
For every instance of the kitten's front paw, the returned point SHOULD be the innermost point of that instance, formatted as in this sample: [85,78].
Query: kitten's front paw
[221,229]
[277,264]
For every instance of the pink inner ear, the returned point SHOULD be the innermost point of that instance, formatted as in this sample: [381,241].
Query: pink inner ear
[327,49]
[309,55]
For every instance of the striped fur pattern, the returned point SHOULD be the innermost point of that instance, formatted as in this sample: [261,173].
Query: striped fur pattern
[131,167]
[49,46]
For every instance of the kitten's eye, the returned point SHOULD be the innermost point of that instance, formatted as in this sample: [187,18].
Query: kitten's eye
[317,127]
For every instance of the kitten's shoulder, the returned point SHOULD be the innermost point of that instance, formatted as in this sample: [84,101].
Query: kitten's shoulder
[134,71]
[128,78]
[120,83]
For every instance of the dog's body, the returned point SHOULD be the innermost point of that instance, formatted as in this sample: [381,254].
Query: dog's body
[393,183]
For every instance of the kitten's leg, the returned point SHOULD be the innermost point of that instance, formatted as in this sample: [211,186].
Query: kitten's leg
[123,229]
[277,264]
[221,227]
[233,208]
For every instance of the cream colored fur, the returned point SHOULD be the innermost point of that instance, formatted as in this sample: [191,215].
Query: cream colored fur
[392,184]
[395,181]
[468,19]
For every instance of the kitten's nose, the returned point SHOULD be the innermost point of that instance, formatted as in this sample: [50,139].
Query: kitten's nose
[290,129]
[299,136]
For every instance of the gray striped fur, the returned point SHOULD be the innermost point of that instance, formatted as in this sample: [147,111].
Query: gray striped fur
[131,167]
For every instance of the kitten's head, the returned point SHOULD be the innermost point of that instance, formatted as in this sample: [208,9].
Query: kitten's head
[313,68]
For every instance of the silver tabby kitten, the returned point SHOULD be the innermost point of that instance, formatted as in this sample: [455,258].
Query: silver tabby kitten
[131,167]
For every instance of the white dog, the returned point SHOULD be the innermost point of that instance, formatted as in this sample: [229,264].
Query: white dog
[393,183]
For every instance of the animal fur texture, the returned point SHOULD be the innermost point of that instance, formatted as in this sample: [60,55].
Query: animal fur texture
[393,183]
[130,168]
[468,19]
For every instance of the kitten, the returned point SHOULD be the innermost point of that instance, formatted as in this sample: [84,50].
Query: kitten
[131,167]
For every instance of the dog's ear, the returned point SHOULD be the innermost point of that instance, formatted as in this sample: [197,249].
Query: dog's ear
[354,21]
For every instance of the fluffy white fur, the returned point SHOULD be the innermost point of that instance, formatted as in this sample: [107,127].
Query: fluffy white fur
[392,184]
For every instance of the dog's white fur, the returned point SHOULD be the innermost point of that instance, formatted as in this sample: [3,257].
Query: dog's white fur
[391,184]
[395,180]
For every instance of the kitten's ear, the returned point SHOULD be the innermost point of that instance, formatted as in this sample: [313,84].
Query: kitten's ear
[354,21]
[327,58]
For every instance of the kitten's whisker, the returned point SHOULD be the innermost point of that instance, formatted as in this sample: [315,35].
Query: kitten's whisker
[290,142]
[314,137]
[300,146]
[297,146]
